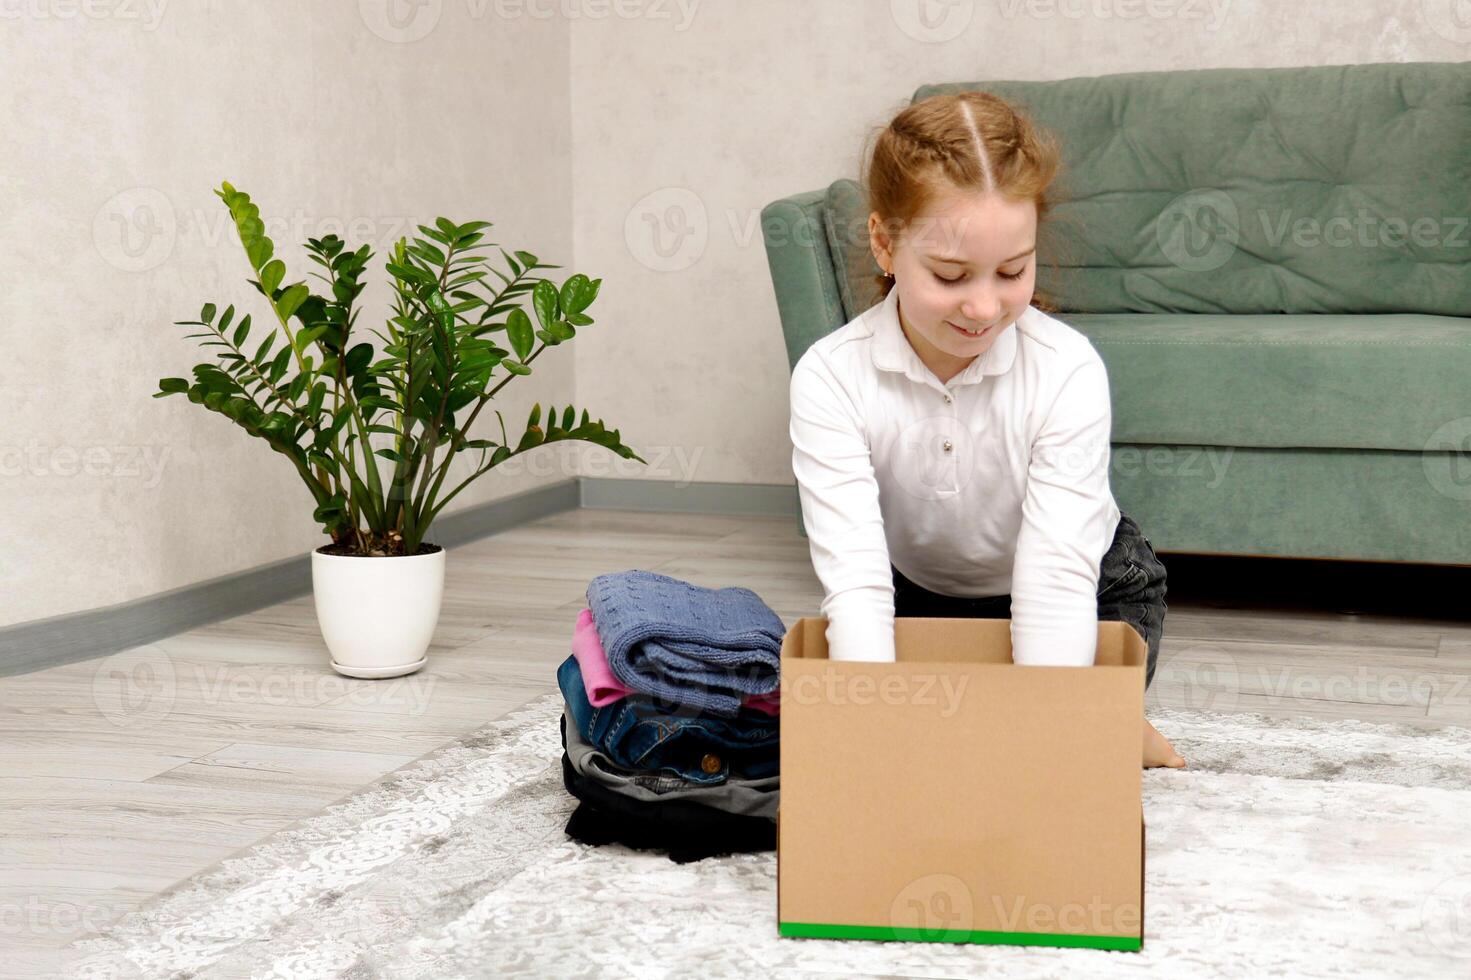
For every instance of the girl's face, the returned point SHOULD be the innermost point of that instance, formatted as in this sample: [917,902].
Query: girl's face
[969,263]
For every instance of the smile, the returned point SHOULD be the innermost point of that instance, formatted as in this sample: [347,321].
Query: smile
[968,333]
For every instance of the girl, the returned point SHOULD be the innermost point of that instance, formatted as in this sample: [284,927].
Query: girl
[951,443]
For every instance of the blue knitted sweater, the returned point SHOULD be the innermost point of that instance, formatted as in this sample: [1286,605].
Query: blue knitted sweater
[703,647]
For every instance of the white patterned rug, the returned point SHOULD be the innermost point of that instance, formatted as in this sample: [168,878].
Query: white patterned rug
[1289,848]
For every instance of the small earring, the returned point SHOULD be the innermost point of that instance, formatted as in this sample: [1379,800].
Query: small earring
[890,274]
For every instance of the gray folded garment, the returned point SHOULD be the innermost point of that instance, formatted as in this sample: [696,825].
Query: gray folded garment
[746,797]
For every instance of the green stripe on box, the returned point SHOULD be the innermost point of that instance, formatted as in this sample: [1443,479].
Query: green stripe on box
[828,930]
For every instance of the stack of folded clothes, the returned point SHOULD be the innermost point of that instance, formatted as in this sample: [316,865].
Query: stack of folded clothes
[670,729]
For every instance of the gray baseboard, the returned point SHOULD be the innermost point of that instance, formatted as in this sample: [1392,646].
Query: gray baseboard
[27,647]
[51,642]
[760,499]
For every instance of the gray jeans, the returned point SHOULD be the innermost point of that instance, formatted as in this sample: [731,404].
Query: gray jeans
[746,797]
[1131,588]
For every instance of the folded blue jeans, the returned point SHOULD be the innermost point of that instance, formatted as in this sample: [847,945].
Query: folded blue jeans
[639,731]
[747,797]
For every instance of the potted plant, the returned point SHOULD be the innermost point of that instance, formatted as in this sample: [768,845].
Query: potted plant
[373,435]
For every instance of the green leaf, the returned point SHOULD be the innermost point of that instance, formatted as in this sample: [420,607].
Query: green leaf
[298,385]
[242,331]
[519,330]
[278,366]
[535,417]
[567,418]
[207,315]
[427,251]
[461,397]
[271,276]
[409,273]
[305,338]
[377,403]
[544,299]
[323,460]
[264,348]
[516,367]
[172,386]
[577,292]
[533,437]
[390,454]
[314,403]
[292,298]
[358,359]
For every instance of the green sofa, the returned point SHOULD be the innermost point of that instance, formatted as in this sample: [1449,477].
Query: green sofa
[1275,266]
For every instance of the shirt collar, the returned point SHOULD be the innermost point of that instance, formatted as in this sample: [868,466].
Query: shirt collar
[893,352]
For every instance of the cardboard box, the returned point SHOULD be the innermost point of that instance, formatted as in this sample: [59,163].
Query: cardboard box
[954,796]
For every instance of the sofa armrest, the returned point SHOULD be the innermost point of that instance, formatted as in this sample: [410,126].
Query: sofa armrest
[802,271]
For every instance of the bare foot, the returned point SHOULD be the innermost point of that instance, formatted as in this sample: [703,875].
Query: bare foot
[1158,751]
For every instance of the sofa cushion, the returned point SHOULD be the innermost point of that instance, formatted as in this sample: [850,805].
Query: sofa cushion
[1338,189]
[845,223]
[1388,381]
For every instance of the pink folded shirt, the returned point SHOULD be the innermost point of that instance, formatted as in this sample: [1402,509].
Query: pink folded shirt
[603,688]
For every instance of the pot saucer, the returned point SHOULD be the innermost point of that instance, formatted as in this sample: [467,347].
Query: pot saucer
[375,673]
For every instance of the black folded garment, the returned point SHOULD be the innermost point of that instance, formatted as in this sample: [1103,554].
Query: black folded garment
[687,831]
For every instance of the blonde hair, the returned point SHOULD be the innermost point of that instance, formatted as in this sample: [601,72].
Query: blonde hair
[969,141]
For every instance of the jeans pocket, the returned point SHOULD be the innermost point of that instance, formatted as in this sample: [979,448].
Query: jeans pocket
[1117,582]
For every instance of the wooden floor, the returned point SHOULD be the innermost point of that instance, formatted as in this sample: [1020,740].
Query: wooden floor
[122,776]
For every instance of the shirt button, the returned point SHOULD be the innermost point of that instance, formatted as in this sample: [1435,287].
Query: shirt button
[710,763]
[947,399]
[947,445]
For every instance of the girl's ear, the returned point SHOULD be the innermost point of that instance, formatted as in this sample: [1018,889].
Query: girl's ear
[879,243]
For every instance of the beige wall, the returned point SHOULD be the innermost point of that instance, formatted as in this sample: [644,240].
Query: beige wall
[634,141]
[119,120]
[692,129]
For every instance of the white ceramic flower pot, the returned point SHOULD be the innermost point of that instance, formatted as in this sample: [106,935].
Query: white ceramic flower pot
[378,614]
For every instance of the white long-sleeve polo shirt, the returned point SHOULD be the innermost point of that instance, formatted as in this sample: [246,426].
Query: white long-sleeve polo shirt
[993,483]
